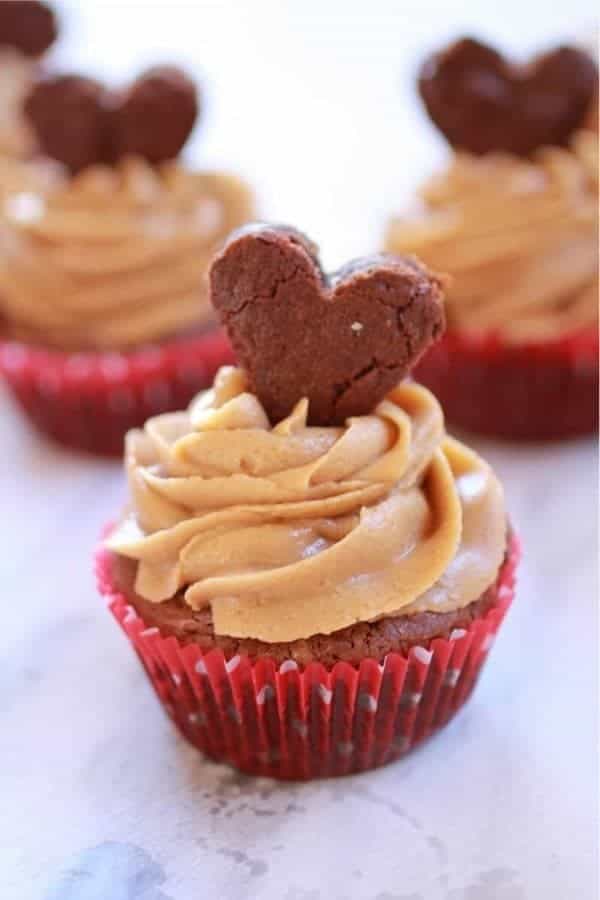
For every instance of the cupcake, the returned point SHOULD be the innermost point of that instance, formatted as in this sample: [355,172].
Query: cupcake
[310,570]
[104,312]
[27,29]
[514,221]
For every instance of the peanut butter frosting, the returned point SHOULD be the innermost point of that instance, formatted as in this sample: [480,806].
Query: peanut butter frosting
[18,176]
[16,77]
[519,238]
[115,257]
[288,531]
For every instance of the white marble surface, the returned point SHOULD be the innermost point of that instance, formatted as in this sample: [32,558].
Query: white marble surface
[100,799]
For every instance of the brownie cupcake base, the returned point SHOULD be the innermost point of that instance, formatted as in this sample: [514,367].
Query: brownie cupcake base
[328,706]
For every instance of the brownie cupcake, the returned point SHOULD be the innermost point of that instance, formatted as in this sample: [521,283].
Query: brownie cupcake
[104,312]
[514,221]
[310,570]
[27,29]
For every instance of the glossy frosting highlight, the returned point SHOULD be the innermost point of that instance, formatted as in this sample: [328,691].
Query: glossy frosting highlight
[289,531]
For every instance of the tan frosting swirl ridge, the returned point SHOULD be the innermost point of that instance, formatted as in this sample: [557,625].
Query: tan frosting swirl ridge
[114,258]
[289,531]
[519,238]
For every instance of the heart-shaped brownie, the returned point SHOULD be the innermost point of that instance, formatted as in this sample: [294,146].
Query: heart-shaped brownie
[343,341]
[155,116]
[71,119]
[80,122]
[27,25]
[482,102]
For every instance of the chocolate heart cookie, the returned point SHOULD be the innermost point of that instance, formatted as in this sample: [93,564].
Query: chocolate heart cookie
[27,25]
[154,117]
[344,340]
[71,118]
[481,102]
[80,122]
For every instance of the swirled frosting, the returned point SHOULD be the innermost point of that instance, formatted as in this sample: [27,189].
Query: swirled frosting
[18,176]
[16,77]
[519,238]
[117,257]
[289,531]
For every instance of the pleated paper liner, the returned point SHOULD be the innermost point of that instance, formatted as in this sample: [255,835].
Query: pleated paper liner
[88,401]
[300,723]
[534,391]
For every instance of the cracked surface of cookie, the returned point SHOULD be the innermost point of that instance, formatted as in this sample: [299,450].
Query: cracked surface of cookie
[342,340]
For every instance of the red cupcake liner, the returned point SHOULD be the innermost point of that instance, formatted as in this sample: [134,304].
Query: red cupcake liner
[534,391]
[88,401]
[289,722]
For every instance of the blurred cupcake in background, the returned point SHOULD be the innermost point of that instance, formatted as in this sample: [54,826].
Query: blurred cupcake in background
[514,222]
[104,311]
[27,29]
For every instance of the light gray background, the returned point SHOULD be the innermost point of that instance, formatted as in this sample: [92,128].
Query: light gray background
[100,800]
